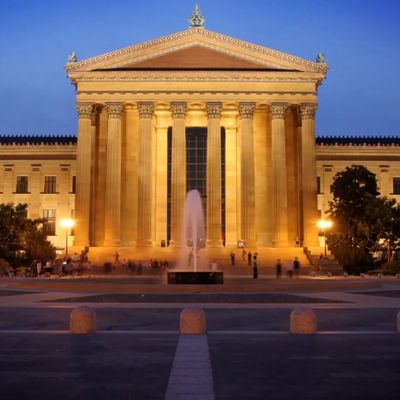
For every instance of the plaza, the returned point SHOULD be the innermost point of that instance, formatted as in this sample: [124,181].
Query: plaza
[247,352]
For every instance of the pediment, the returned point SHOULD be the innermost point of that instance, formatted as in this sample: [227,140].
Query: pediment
[196,49]
[195,57]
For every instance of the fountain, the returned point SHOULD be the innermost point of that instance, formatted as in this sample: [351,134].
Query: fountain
[193,235]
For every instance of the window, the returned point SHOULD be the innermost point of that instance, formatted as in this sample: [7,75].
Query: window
[22,184]
[49,224]
[49,184]
[396,185]
[73,184]
[318,185]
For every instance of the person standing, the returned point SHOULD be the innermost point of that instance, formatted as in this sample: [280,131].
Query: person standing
[232,258]
[249,259]
[255,268]
[296,266]
[278,269]
[289,269]
[39,267]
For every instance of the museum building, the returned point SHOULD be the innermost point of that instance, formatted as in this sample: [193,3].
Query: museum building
[191,110]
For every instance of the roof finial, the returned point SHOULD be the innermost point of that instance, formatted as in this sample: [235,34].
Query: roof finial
[196,20]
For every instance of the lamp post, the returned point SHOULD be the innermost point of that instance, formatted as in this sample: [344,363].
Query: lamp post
[323,225]
[67,224]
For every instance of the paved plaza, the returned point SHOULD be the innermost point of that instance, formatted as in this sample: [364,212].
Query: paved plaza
[248,353]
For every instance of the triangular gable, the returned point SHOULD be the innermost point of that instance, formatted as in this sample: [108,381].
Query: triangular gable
[195,57]
[196,48]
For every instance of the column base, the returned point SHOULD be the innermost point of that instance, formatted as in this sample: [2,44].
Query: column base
[214,243]
[112,243]
[81,243]
[177,244]
[281,243]
[144,243]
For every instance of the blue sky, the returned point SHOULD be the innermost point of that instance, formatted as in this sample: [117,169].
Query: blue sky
[361,41]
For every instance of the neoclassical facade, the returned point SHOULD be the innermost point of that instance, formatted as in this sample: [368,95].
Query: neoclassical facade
[41,171]
[196,110]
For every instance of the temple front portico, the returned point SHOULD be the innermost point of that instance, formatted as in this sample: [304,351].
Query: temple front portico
[196,110]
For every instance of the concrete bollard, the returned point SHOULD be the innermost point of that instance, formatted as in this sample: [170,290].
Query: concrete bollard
[82,320]
[303,321]
[398,322]
[192,321]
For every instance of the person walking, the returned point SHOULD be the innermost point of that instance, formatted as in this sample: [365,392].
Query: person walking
[232,258]
[249,259]
[278,269]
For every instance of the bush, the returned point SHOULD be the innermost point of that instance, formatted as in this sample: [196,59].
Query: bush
[389,268]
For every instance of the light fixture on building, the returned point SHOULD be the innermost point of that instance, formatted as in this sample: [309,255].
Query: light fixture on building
[324,225]
[67,224]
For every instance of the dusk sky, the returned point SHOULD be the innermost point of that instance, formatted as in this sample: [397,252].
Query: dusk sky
[360,39]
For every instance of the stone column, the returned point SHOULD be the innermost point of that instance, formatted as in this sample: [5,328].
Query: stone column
[214,174]
[112,233]
[309,172]
[246,113]
[178,173]
[84,182]
[279,178]
[145,178]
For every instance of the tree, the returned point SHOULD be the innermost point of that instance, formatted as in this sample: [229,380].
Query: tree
[363,221]
[22,239]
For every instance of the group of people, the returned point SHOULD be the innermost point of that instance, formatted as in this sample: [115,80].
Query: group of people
[291,269]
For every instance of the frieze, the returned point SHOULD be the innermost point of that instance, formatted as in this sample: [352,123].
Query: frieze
[310,65]
[200,93]
[214,110]
[145,109]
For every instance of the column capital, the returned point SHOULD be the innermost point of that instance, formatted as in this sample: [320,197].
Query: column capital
[84,110]
[246,110]
[308,110]
[214,109]
[278,110]
[178,109]
[145,109]
[114,110]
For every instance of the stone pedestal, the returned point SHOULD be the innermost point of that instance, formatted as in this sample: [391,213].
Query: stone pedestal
[192,321]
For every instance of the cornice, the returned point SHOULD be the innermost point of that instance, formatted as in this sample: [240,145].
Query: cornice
[192,92]
[194,76]
[282,59]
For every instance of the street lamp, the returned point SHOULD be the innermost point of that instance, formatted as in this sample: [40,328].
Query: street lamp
[323,225]
[67,224]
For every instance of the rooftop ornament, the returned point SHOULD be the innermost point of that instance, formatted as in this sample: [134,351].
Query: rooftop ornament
[196,20]
[72,57]
[320,58]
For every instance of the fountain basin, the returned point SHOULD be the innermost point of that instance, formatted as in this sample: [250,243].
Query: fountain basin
[195,278]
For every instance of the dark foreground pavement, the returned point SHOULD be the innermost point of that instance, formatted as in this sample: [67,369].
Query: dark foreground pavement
[306,367]
[257,366]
